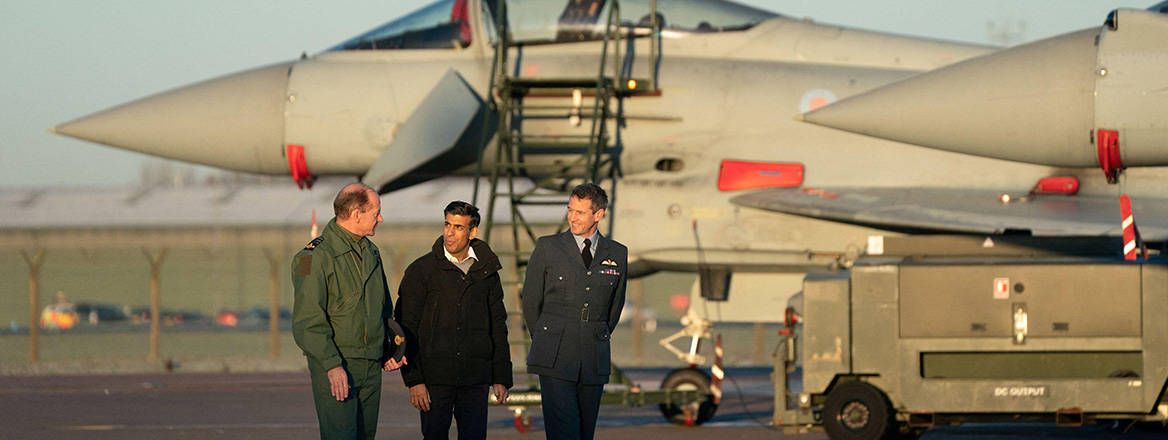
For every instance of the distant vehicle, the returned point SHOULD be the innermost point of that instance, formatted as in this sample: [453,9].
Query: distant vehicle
[263,313]
[169,317]
[227,318]
[59,317]
[99,312]
[254,316]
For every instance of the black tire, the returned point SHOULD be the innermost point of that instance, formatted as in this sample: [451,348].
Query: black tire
[858,411]
[688,379]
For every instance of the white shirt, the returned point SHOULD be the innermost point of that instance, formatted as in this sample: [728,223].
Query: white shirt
[462,265]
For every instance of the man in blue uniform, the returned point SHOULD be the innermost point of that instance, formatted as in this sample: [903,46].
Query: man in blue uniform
[572,300]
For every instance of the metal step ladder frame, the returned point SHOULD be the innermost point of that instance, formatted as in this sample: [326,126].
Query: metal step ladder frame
[595,155]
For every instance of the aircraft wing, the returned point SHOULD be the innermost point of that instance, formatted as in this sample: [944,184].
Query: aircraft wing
[443,134]
[737,260]
[964,210]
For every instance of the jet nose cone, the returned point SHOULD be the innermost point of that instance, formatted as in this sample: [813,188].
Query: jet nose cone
[234,121]
[1032,103]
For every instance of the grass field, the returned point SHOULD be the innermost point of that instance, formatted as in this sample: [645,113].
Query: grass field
[248,350]
[211,276]
[207,279]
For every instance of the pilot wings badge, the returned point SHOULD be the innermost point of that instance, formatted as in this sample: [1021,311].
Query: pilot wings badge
[608,263]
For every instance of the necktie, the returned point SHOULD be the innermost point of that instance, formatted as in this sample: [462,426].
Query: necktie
[586,253]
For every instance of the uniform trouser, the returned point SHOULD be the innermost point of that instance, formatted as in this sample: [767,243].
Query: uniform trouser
[569,408]
[468,405]
[356,416]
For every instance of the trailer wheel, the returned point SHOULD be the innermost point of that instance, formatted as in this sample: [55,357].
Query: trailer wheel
[857,411]
[693,412]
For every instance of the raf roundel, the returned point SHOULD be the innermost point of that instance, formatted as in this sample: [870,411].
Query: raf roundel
[815,99]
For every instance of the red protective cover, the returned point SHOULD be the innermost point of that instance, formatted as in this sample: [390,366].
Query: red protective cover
[459,15]
[1057,185]
[1107,146]
[298,165]
[739,175]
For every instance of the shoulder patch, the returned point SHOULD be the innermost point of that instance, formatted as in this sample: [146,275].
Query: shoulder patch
[314,243]
[305,265]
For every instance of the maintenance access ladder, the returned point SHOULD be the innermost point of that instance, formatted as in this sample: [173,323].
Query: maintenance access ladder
[591,157]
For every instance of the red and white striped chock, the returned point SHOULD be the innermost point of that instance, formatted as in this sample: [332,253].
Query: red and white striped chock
[718,373]
[1129,228]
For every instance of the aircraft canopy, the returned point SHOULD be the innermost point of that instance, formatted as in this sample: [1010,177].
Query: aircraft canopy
[444,24]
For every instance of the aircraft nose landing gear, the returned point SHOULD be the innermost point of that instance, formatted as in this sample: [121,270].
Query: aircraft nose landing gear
[522,420]
[688,401]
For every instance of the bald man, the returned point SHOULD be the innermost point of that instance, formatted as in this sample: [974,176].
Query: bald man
[339,314]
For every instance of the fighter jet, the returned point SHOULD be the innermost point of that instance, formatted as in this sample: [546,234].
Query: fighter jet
[714,168]
[1090,102]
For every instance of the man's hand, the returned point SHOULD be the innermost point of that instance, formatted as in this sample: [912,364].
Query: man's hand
[391,364]
[420,397]
[500,393]
[338,383]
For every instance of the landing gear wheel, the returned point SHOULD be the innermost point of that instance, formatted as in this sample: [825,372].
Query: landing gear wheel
[522,421]
[857,411]
[694,411]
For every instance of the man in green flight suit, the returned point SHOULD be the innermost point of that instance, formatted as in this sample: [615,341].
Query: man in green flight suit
[339,314]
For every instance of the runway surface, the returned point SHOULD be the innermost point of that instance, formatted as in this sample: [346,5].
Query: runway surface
[278,405]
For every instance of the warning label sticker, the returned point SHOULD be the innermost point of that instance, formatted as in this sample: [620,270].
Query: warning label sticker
[1040,391]
[1001,288]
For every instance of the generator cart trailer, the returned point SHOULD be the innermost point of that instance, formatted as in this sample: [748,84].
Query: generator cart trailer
[924,331]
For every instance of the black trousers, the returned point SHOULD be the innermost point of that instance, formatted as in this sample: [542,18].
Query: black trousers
[570,408]
[468,405]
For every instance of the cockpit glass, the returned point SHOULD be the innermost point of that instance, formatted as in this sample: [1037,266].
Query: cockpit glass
[443,24]
[542,21]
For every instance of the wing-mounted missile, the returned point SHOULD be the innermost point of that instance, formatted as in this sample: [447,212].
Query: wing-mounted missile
[444,133]
[1095,97]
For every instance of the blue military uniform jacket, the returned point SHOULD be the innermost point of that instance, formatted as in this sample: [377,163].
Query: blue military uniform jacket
[571,310]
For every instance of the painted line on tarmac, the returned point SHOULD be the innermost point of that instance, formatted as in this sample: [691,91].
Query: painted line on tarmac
[93,427]
[226,426]
[735,424]
[610,423]
[149,388]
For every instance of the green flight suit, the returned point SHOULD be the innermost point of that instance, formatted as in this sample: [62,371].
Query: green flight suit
[338,319]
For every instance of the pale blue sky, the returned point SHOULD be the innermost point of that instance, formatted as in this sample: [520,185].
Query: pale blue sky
[63,59]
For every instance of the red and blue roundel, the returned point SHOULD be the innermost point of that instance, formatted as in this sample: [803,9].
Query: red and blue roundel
[815,99]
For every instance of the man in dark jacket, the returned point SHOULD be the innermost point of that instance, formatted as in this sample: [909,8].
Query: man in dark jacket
[450,305]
